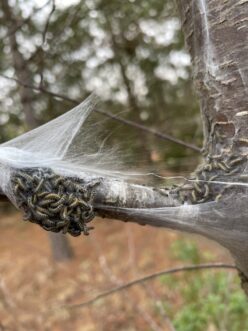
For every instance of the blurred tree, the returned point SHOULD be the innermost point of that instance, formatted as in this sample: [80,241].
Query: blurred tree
[59,243]
[129,53]
[74,49]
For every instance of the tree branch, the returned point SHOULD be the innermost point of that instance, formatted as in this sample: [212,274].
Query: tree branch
[117,282]
[20,65]
[24,74]
[119,200]
[150,277]
[20,24]
[47,22]
[135,125]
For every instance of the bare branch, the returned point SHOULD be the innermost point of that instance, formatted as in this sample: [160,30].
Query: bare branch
[150,277]
[154,132]
[147,287]
[20,66]
[117,282]
[21,23]
[135,125]
[47,22]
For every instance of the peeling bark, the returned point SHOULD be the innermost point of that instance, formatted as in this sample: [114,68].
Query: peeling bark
[216,34]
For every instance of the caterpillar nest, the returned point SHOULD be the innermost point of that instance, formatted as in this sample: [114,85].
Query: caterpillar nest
[57,203]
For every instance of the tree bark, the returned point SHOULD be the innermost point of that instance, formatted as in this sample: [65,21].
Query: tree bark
[216,33]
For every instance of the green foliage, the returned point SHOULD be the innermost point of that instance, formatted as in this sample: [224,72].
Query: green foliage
[186,251]
[208,299]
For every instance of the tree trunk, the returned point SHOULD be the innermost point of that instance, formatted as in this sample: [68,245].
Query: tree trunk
[216,34]
[60,246]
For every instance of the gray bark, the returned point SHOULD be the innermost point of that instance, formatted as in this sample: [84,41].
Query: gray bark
[216,34]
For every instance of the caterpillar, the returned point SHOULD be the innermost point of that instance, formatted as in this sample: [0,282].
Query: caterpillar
[55,202]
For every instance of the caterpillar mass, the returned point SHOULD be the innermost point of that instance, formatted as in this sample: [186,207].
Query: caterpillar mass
[56,203]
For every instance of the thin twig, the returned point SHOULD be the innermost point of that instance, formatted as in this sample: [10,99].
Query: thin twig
[44,38]
[148,289]
[117,282]
[154,132]
[24,21]
[47,22]
[149,277]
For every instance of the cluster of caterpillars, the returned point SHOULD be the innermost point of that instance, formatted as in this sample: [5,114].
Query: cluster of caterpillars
[205,185]
[57,203]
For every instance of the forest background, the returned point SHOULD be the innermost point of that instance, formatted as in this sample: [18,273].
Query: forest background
[131,54]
